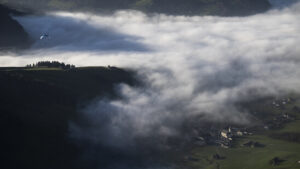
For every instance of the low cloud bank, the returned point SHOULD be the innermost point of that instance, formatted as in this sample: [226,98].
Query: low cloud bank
[193,66]
[196,67]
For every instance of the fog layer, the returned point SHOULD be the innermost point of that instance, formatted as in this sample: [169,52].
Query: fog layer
[192,66]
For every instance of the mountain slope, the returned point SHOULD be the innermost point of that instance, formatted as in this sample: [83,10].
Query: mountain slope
[205,7]
[37,105]
[176,7]
[11,32]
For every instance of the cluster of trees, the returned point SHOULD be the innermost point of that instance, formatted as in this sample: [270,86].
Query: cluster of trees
[53,64]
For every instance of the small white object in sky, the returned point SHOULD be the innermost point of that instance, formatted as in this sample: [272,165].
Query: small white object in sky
[44,36]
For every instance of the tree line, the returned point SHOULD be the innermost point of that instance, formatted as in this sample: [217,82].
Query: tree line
[51,64]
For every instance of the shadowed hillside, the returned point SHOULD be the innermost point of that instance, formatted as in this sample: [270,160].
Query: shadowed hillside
[11,32]
[205,7]
[37,105]
[177,7]
[39,102]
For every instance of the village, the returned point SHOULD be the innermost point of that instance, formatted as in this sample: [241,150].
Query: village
[224,137]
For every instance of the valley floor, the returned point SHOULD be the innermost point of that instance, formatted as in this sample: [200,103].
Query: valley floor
[280,147]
